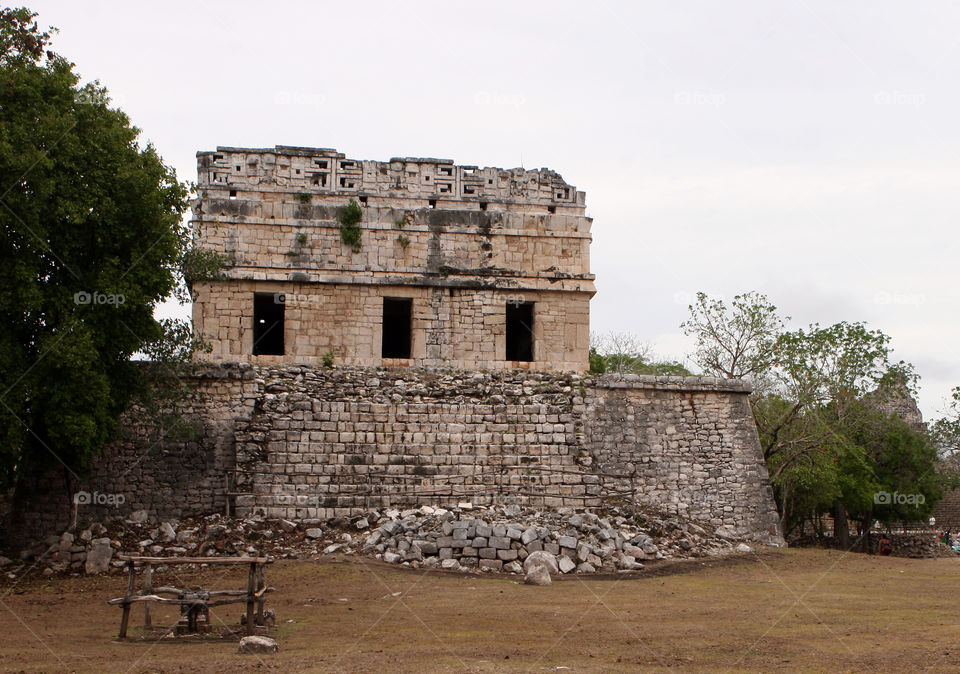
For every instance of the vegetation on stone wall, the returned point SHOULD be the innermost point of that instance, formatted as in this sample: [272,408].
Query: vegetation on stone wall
[93,240]
[350,218]
[830,441]
[200,265]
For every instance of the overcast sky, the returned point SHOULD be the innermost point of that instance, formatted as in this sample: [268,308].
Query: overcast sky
[806,150]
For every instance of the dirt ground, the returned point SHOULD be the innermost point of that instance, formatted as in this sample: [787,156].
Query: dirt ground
[804,609]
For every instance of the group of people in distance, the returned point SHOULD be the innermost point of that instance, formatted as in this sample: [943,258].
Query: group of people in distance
[952,541]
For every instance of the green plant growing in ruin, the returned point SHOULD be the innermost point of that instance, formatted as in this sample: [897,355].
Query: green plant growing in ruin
[350,218]
[328,359]
[404,241]
[200,265]
[301,238]
[304,197]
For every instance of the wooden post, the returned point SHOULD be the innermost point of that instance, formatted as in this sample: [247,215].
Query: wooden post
[125,618]
[261,583]
[147,589]
[251,591]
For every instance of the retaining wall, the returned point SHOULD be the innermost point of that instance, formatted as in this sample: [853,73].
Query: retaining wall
[302,442]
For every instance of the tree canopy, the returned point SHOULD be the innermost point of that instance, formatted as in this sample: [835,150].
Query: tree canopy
[820,397]
[622,353]
[92,239]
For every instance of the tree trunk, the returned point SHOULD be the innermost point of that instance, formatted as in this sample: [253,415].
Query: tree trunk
[841,528]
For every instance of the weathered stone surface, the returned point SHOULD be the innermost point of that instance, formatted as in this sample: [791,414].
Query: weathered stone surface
[283,448]
[281,208]
[167,532]
[314,532]
[541,558]
[99,556]
[258,645]
[491,564]
[565,564]
[538,574]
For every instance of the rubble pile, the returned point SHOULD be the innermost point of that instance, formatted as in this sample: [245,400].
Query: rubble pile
[460,537]
[501,538]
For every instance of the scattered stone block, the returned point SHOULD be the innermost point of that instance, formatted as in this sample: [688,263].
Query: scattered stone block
[538,574]
[257,645]
[541,558]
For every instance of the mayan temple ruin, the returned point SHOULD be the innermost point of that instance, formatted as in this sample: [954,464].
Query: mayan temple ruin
[411,332]
[457,266]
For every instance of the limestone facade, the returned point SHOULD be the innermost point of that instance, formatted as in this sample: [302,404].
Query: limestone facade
[316,443]
[463,244]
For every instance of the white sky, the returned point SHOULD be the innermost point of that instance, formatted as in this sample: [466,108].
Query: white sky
[806,150]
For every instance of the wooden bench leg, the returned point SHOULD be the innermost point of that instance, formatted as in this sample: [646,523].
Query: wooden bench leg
[251,584]
[125,618]
[147,589]
[261,583]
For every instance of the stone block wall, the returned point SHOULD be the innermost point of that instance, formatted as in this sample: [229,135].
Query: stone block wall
[328,443]
[346,320]
[302,442]
[947,511]
[686,444]
[463,241]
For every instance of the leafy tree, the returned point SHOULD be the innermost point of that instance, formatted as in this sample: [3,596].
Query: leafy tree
[91,233]
[735,342]
[622,353]
[818,403]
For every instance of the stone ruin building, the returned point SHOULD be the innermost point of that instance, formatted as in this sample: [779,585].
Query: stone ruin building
[435,351]
[457,266]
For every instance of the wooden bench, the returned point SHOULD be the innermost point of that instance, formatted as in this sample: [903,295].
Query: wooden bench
[253,595]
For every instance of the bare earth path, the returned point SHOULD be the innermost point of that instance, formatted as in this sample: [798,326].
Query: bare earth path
[799,610]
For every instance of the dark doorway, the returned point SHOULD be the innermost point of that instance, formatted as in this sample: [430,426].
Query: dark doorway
[268,324]
[397,322]
[520,331]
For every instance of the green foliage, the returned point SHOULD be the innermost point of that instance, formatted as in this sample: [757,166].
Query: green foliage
[301,238]
[817,397]
[328,359]
[403,240]
[200,265]
[736,341]
[350,218]
[92,238]
[304,197]
[621,353]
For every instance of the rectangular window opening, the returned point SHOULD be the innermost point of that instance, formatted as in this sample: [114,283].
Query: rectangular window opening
[433,203]
[397,325]
[233,194]
[520,331]
[483,205]
[268,324]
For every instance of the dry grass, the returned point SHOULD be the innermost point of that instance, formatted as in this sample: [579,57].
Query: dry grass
[806,610]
